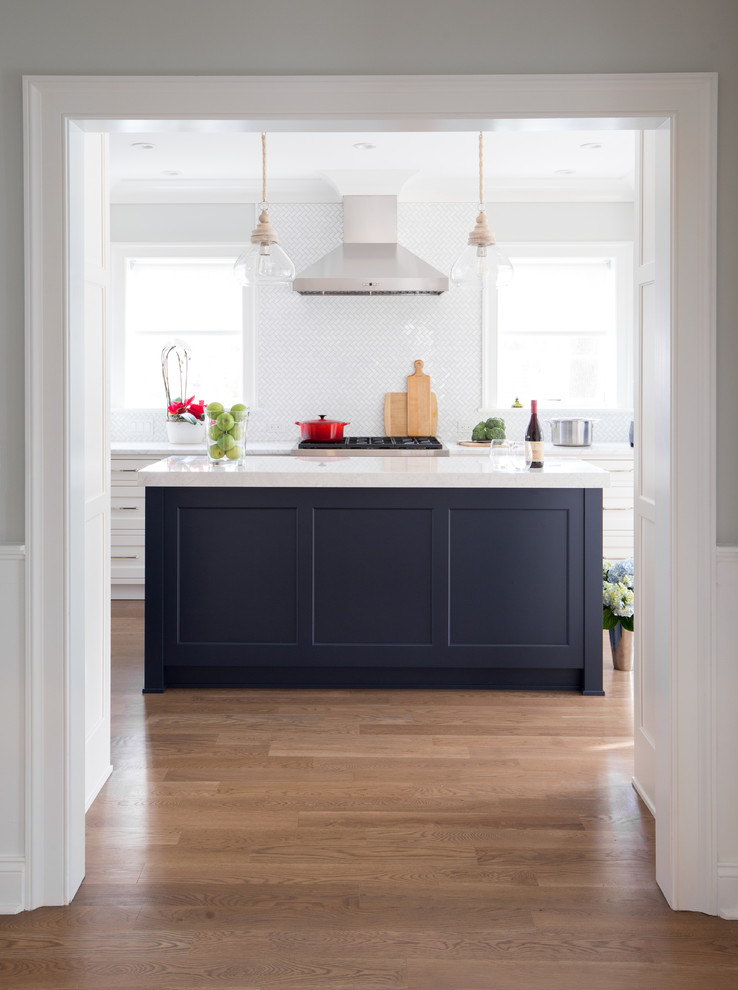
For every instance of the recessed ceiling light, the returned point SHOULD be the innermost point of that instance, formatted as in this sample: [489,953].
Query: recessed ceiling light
[170,171]
[592,145]
[564,171]
[364,146]
[143,145]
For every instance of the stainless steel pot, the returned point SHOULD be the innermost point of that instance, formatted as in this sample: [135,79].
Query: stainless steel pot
[571,432]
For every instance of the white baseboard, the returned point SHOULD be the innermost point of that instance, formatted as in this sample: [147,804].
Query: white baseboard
[728,891]
[96,788]
[643,796]
[12,885]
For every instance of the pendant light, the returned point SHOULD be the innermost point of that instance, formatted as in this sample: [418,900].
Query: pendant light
[482,262]
[264,262]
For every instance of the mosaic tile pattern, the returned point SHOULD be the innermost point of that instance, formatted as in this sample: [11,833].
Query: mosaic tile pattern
[339,355]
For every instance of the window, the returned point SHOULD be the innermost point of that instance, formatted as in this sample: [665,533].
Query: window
[562,331]
[179,295]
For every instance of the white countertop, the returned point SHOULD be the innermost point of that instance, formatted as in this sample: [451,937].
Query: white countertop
[293,471]
[161,448]
[270,448]
[603,450]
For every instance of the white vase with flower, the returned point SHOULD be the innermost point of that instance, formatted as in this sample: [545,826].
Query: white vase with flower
[618,610]
[185,417]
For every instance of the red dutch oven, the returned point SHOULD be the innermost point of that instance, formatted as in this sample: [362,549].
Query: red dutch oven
[322,430]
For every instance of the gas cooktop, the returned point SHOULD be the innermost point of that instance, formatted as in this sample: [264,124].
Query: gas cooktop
[380,446]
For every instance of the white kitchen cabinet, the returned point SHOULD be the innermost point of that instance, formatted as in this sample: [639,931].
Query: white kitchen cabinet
[617,500]
[127,559]
[617,506]
[128,511]
[127,499]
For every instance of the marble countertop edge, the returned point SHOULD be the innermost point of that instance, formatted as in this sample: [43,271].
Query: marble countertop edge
[291,471]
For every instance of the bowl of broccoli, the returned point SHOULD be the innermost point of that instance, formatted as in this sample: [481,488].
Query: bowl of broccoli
[491,430]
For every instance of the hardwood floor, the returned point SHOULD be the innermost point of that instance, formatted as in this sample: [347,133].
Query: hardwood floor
[363,840]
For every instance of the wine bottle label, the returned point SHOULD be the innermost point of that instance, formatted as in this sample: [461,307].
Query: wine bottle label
[534,452]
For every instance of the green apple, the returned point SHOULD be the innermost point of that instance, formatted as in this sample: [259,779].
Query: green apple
[215,451]
[235,452]
[225,421]
[214,432]
[225,442]
[214,409]
[237,431]
[239,412]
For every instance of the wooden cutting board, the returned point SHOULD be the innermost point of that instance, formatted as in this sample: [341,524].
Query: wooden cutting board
[395,416]
[419,403]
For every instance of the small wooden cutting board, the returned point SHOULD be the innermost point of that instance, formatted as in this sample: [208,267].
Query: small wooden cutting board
[395,416]
[419,403]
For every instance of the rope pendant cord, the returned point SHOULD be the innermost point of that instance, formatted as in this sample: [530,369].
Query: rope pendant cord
[264,233]
[263,168]
[481,168]
[481,236]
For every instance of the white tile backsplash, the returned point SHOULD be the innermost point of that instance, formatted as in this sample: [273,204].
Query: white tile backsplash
[338,355]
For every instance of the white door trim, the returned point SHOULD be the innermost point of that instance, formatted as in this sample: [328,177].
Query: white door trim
[686,868]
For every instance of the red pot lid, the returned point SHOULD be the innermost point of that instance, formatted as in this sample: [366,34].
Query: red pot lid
[322,421]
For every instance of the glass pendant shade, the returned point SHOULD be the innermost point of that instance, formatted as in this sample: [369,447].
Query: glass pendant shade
[264,264]
[482,264]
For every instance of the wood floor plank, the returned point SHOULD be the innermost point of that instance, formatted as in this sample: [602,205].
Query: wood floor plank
[366,840]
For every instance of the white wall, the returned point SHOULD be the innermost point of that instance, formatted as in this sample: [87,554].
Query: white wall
[226,223]
[340,355]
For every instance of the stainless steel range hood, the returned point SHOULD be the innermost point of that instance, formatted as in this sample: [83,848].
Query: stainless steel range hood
[370,261]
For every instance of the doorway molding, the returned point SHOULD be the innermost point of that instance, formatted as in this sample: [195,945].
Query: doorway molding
[686,803]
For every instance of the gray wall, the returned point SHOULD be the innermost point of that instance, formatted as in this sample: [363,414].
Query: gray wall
[160,37]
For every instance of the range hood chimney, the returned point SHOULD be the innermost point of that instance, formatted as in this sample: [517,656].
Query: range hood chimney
[370,261]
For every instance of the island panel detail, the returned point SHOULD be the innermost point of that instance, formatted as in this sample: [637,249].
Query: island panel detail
[312,587]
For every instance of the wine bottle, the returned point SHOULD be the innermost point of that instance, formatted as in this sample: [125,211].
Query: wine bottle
[534,438]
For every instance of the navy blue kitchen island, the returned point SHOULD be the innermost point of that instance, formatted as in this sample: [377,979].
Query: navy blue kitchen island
[381,580]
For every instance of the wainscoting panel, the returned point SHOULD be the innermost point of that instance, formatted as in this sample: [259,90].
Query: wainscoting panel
[12,729]
[727,731]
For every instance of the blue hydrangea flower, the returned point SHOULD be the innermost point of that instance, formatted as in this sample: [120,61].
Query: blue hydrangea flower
[622,572]
[618,596]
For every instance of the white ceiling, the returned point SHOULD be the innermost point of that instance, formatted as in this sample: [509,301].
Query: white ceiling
[300,156]
[551,157]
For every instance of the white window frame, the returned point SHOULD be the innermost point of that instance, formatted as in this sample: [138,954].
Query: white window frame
[622,251]
[120,252]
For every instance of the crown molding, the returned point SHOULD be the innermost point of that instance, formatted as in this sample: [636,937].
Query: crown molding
[417,190]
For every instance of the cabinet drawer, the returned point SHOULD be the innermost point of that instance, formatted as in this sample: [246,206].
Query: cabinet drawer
[618,520]
[128,511]
[620,471]
[621,478]
[126,557]
[617,547]
[124,470]
[127,571]
[617,498]
[127,491]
